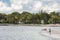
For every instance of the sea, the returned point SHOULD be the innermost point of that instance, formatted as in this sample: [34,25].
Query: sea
[20,32]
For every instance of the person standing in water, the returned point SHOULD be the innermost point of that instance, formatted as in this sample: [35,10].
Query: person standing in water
[49,31]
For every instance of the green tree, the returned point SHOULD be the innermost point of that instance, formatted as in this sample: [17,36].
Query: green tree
[13,18]
[35,18]
[45,16]
[3,18]
[26,17]
[53,17]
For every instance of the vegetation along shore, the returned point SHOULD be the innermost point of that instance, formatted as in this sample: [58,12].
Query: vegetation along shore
[30,18]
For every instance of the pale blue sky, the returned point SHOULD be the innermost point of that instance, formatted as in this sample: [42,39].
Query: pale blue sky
[7,2]
[8,6]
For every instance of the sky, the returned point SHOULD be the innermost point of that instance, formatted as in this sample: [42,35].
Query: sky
[8,6]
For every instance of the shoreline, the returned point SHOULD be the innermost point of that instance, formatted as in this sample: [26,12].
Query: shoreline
[42,25]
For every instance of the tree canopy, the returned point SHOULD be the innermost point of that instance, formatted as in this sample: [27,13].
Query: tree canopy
[30,18]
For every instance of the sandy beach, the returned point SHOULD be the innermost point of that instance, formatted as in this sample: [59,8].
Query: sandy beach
[39,25]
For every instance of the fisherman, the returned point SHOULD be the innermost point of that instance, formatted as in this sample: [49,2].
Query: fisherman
[49,31]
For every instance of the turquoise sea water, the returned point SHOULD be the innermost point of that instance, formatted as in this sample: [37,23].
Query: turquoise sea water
[24,33]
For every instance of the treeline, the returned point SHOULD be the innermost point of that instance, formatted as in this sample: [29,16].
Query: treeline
[31,18]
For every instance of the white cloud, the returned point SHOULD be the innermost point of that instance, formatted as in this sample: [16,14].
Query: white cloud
[49,0]
[54,7]
[32,5]
[18,4]
[3,7]
[16,7]
[20,1]
[37,5]
[51,6]
[26,1]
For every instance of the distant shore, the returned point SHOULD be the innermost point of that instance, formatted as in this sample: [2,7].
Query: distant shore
[41,25]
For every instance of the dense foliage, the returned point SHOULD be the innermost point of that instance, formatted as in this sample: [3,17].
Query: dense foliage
[31,18]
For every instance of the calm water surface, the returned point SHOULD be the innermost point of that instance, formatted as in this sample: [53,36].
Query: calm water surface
[24,33]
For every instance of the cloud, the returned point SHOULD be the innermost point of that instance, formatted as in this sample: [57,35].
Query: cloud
[37,6]
[21,5]
[47,5]
[15,6]
[52,6]
[3,7]
[29,5]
